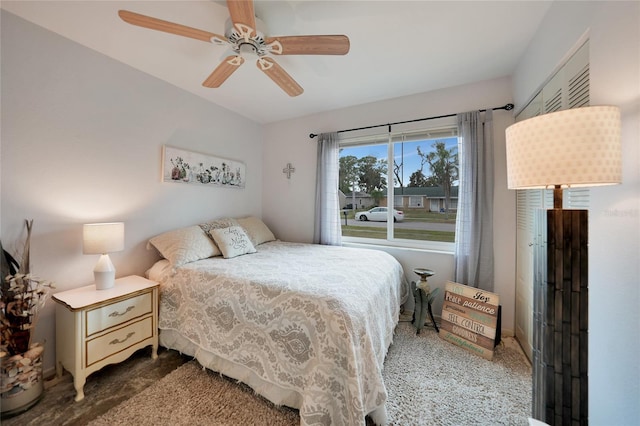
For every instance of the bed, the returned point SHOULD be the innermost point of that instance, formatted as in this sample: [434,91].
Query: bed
[306,326]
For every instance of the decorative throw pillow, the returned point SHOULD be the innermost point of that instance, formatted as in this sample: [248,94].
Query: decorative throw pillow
[224,222]
[184,245]
[232,241]
[256,230]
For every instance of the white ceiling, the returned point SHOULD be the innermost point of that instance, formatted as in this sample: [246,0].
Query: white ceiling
[398,48]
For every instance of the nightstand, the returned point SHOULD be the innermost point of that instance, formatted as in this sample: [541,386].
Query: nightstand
[95,328]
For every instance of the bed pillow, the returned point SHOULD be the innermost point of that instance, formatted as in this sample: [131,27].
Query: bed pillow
[256,230]
[232,241]
[224,222]
[184,245]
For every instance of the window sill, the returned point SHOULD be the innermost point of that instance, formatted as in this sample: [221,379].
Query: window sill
[431,247]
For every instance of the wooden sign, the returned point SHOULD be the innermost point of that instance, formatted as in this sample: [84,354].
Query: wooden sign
[470,318]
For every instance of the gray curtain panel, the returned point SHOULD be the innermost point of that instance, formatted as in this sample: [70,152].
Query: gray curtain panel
[474,224]
[327,228]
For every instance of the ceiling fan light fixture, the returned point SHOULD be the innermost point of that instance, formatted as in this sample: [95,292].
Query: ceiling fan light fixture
[247,48]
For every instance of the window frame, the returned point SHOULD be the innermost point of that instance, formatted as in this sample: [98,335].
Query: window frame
[440,128]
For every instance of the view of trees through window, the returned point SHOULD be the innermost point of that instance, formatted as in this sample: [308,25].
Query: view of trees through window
[424,187]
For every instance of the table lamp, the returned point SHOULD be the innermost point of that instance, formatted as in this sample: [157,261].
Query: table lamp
[102,239]
[577,147]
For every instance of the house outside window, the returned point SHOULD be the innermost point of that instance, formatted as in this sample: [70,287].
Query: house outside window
[419,169]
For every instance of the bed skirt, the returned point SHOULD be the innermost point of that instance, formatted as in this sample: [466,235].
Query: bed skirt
[276,394]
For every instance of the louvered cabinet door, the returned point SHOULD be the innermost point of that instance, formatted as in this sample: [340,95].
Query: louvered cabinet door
[567,88]
[576,76]
[527,200]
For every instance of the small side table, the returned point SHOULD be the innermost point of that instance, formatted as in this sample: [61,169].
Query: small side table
[423,297]
[99,327]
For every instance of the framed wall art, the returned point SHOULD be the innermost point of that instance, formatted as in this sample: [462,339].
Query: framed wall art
[188,167]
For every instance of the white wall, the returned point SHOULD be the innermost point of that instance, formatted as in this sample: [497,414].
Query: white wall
[614,224]
[81,142]
[288,205]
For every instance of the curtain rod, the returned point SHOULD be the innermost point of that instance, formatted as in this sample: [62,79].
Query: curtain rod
[507,107]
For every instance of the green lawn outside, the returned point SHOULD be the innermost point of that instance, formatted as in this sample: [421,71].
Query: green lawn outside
[422,216]
[408,234]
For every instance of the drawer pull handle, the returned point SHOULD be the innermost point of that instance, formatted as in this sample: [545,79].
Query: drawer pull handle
[116,341]
[118,314]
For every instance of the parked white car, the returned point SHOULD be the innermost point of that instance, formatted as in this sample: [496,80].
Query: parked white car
[379,214]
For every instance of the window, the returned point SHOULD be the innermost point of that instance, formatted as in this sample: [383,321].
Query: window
[415,201]
[422,167]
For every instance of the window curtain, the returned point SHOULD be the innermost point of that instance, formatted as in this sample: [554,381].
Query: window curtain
[327,228]
[474,223]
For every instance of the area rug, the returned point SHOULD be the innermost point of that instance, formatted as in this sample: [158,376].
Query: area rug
[429,382]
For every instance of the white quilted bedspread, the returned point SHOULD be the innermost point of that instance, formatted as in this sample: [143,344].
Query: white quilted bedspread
[313,320]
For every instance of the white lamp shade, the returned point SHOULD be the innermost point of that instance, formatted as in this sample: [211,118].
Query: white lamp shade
[101,238]
[570,148]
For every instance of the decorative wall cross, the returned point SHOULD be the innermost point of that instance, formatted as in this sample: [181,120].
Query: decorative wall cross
[288,170]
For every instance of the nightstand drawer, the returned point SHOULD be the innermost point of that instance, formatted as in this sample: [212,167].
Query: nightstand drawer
[118,340]
[118,313]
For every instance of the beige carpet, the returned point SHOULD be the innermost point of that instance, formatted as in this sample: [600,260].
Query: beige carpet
[429,381]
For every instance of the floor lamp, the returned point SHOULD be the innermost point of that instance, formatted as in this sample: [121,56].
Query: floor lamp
[572,148]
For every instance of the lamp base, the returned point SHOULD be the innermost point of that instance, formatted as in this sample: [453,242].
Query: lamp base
[561,321]
[104,273]
[104,280]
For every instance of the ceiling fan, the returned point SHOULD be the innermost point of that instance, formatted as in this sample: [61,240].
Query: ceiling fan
[245,39]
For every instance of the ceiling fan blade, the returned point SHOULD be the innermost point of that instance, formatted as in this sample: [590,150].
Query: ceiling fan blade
[279,76]
[309,45]
[242,12]
[223,71]
[166,26]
